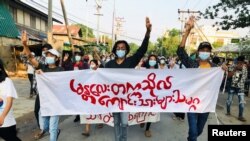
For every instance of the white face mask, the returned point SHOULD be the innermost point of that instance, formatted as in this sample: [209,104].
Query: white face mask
[108,59]
[78,58]
[162,61]
[92,66]
[43,54]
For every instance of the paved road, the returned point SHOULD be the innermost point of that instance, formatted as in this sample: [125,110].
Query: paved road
[165,130]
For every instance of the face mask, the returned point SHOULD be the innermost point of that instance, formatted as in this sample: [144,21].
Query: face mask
[204,55]
[152,63]
[50,60]
[92,67]
[162,61]
[78,58]
[120,53]
[108,59]
[43,54]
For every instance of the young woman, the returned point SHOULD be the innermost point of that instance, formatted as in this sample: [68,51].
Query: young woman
[7,94]
[152,63]
[93,66]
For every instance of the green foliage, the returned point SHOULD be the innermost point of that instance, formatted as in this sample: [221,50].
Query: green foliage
[217,44]
[84,29]
[133,48]
[168,44]
[231,13]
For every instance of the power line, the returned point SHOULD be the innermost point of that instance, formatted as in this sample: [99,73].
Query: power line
[60,13]
[197,4]
[185,4]
[75,22]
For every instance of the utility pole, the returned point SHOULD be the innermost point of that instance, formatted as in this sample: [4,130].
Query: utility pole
[113,23]
[98,14]
[87,17]
[119,22]
[67,27]
[183,16]
[50,22]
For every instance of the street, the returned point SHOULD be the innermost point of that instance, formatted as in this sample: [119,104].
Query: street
[165,130]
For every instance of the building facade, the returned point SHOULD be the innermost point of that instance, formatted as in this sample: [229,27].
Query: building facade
[16,16]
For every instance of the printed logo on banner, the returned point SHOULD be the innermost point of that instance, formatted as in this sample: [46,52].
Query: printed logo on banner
[239,132]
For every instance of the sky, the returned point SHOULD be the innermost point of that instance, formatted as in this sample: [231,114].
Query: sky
[163,15]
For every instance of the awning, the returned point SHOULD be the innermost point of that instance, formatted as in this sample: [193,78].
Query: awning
[7,24]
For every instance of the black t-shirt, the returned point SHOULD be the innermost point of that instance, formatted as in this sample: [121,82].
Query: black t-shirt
[45,68]
[132,61]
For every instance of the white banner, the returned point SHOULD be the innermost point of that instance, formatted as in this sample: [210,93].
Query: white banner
[133,118]
[129,90]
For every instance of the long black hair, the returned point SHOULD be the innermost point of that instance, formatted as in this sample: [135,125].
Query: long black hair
[121,42]
[147,63]
[3,73]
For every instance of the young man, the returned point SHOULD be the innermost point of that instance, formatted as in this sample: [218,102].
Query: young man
[121,50]
[196,121]
[52,61]
[238,73]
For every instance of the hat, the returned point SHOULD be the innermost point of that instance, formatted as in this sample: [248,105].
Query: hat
[205,45]
[54,52]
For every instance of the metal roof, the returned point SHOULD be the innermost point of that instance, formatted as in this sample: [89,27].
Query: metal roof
[7,24]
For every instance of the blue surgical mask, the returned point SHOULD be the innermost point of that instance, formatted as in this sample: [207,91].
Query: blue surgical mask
[50,60]
[152,63]
[204,55]
[120,53]
[78,58]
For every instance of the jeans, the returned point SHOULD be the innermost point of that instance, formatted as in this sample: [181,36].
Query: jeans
[241,100]
[120,126]
[51,125]
[196,122]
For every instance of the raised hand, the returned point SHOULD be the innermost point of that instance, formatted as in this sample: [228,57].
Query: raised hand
[148,24]
[24,38]
[66,56]
[190,23]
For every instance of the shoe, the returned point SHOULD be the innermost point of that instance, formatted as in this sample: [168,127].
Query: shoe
[77,118]
[228,114]
[58,133]
[242,119]
[85,134]
[148,133]
[31,95]
[39,135]
[142,125]
[182,119]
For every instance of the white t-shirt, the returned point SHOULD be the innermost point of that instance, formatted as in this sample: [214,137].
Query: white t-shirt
[30,69]
[7,89]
